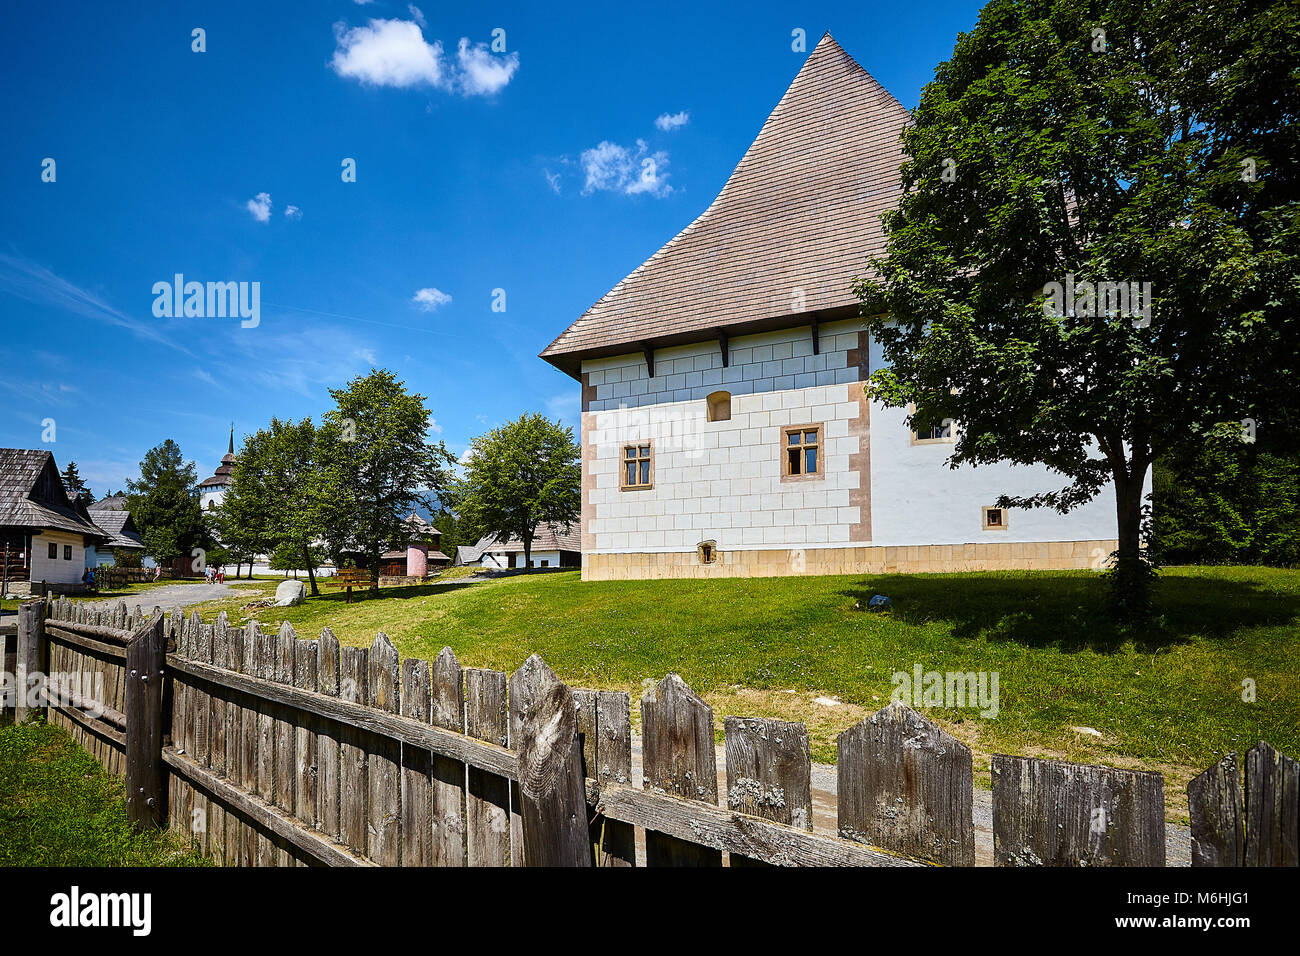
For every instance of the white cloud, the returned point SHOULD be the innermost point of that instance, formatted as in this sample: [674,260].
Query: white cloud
[260,207]
[395,53]
[292,212]
[553,179]
[671,121]
[387,53]
[481,73]
[426,300]
[616,168]
[434,426]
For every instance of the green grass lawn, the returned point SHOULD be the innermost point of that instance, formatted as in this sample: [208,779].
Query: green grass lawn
[58,808]
[1166,697]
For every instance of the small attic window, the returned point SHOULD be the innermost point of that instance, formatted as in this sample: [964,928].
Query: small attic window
[719,407]
[995,519]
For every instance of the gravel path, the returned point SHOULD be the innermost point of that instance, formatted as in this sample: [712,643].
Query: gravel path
[171,596]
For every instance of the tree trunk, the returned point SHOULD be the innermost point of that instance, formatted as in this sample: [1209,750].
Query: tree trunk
[1130,583]
[528,554]
[311,572]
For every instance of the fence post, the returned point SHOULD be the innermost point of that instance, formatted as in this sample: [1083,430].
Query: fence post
[552,788]
[29,664]
[144,684]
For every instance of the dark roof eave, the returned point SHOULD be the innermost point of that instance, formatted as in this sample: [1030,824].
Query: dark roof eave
[570,363]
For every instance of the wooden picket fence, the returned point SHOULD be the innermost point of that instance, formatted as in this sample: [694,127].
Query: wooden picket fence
[270,750]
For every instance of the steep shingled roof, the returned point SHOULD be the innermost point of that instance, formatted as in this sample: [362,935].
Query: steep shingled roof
[119,527]
[32,496]
[548,538]
[800,213]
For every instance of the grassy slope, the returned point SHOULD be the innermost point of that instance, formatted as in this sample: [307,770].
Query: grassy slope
[1167,697]
[58,808]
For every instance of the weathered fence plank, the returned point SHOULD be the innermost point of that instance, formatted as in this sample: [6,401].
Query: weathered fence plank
[553,800]
[249,735]
[144,725]
[267,852]
[769,773]
[354,686]
[385,800]
[31,658]
[906,786]
[417,788]
[447,710]
[285,769]
[488,806]
[305,798]
[615,841]
[200,746]
[1049,813]
[327,737]
[1216,815]
[217,837]
[1272,808]
[678,759]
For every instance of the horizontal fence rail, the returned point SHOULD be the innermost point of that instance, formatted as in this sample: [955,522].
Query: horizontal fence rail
[266,749]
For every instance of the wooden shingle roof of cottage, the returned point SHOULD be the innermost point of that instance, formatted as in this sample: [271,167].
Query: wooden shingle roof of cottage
[795,223]
[549,537]
[32,496]
[119,527]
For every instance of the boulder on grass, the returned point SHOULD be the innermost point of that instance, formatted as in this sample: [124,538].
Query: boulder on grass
[289,593]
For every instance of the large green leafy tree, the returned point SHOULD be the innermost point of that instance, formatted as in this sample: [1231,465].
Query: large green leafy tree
[518,476]
[1100,142]
[164,504]
[274,505]
[377,464]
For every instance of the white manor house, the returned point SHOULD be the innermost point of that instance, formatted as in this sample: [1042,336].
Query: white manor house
[726,429]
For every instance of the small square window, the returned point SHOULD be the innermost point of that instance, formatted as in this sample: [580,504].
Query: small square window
[638,467]
[707,551]
[802,452]
[995,519]
[942,432]
[54,551]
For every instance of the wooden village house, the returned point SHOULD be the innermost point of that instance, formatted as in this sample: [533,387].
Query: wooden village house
[44,533]
[726,428]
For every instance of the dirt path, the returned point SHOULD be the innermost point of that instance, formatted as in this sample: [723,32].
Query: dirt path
[171,596]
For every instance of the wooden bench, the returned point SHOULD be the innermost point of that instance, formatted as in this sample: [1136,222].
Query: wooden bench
[350,578]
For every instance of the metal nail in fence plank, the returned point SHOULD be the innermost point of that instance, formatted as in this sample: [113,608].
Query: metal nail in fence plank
[1051,813]
[448,776]
[354,686]
[286,763]
[385,826]
[769,773]
[305,798]
[552,785]
[417,796]
[905,785]
[1272,808]
[327,737]
[1215,811]
[144,725]
[617,841]
[488,806]
[678,759]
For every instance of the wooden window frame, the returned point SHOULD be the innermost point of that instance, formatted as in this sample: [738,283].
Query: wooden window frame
[820,444]
[622,465]
[918,440]
[52,551]
[67,552]
[984,518]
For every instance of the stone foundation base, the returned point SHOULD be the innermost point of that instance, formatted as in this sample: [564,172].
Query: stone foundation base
[916,559]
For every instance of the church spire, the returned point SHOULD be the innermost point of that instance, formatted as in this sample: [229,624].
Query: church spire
[232,439]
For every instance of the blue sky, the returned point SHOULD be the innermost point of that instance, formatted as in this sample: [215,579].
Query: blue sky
[518,169]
